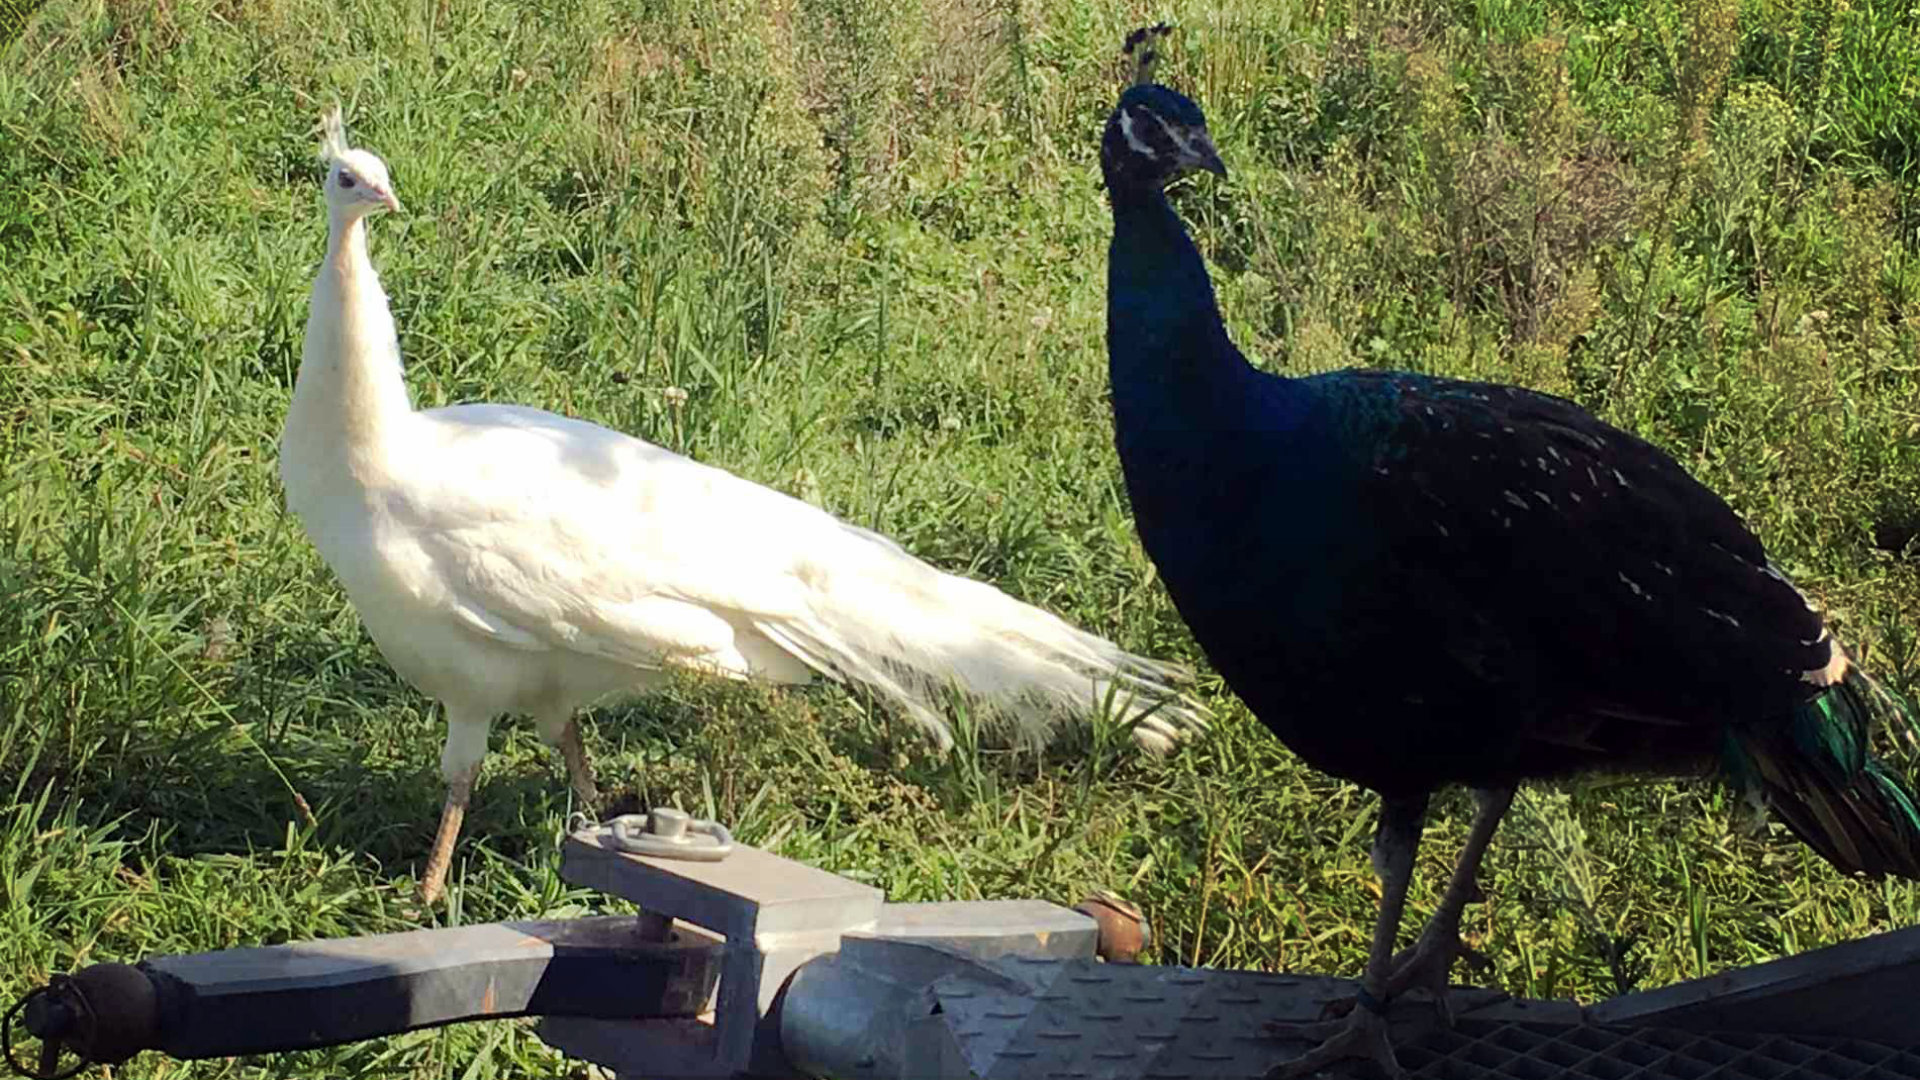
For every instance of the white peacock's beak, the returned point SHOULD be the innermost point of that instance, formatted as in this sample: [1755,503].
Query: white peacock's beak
[392,201]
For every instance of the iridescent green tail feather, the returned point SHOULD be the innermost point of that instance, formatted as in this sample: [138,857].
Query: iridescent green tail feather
[1820,775]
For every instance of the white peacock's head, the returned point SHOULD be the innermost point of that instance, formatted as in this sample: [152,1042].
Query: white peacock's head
[357,183]
[357,180]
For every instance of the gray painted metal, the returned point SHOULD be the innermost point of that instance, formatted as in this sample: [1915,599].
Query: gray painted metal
[1011,990]
[755,965]
[774,915]
[869,1011]
[1042,1018]
[1867,989]
[862,1011]
[986,929]
[323,993]
[850,987]
[1029,1018]
[1076,1020]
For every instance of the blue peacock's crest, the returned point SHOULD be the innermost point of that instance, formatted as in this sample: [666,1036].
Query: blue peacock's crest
[1155,134]
[1142,51]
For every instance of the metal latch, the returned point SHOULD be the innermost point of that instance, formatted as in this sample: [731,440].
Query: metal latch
[666,833]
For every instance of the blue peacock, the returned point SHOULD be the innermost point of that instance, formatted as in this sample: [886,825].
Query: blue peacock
[1416,582]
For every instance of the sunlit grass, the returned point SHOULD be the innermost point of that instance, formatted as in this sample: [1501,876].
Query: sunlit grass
[856,251]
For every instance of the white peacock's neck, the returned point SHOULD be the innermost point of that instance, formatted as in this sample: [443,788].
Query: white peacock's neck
[350,401]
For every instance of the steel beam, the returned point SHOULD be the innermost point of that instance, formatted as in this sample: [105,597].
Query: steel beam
[325,993]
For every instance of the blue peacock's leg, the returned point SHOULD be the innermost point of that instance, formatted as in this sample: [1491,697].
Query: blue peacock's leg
[1363,1034]
[1426,964]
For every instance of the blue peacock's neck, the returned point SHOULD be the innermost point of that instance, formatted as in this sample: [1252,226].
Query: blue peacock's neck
[1168,355]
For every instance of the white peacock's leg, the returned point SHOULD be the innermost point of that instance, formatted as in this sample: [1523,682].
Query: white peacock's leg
[460,759]
[560,728]
[452,815]
[579,768]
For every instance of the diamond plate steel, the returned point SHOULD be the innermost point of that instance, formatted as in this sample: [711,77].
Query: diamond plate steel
[1482,1050]
[1086,1021]
[1090,1021]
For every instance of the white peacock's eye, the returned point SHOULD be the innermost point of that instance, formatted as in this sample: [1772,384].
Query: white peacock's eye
[346,180]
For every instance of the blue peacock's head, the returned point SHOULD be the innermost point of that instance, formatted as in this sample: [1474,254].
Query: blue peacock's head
[1155,134]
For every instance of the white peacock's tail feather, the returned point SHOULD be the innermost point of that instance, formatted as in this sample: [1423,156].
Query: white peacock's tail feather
[884,618]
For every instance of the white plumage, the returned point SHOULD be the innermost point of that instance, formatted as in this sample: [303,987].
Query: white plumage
[506,559]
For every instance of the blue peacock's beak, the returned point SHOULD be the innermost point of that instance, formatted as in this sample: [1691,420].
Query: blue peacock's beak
[1197,152]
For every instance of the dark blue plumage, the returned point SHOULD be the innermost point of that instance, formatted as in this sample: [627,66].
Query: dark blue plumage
[1417,581]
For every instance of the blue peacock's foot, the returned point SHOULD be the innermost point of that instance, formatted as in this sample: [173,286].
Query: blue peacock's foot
[1362,1036]
[1428,963]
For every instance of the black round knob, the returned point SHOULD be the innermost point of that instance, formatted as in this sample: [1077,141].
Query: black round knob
[117,1010]
[47,1017]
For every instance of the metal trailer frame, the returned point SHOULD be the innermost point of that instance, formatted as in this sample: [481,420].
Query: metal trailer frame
[747,964]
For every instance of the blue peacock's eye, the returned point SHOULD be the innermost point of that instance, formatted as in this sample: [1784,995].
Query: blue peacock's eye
[346,180]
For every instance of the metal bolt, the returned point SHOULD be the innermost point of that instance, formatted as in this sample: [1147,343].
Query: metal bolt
[665,821]
[652,928]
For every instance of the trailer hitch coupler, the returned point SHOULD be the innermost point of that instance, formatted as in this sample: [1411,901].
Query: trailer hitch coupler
[102,1014]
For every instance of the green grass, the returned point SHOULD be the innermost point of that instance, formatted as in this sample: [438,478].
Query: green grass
[868,243]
